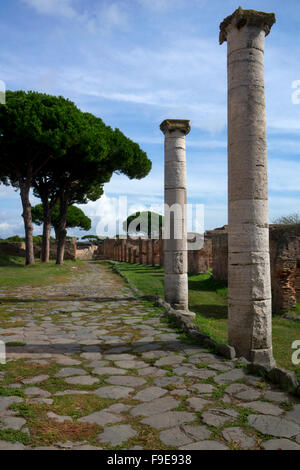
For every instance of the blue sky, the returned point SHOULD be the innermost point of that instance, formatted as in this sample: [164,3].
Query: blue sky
[137,62]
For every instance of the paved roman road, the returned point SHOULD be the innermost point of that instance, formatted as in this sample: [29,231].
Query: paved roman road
[100,369]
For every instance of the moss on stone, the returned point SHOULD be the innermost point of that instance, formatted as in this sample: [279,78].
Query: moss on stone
[241,18]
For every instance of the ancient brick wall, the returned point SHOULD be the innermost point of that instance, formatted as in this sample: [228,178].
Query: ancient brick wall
[85,250]
[137,250]
[200,261]
[220,256]
[284,260]
[18,249]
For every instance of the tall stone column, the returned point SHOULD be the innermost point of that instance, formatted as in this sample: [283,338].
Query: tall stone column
[175,281]
[249,284]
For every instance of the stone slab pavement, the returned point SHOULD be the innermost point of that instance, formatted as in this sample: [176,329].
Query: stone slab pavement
[90,366]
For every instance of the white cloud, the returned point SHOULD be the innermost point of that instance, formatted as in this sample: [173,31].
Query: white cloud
[62,8]
[100,17]
[163,5]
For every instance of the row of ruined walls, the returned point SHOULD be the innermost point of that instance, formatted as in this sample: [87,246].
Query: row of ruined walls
[151,252]
[18,249]
[284,259]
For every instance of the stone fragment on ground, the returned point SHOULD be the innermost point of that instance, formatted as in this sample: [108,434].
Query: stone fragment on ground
[118,434]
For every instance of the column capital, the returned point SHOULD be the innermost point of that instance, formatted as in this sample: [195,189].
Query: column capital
[172,125]
[240,18]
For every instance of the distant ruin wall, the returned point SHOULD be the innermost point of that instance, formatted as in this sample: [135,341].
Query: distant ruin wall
[220,256]
[18,249]
[285,265]
[85,250]
[144,251]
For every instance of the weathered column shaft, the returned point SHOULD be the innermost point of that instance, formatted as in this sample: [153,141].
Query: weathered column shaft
[175,259]
[249,285]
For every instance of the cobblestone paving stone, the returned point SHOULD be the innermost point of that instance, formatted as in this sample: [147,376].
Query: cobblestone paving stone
[90,366]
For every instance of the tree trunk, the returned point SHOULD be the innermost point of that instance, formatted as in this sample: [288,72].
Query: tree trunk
[24,191]
[46,240]
[45,255]
[62,232]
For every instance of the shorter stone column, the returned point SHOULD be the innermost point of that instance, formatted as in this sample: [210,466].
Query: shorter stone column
[175,282]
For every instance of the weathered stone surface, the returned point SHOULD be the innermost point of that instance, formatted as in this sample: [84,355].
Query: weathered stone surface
[197,403]
[294,414]
[101,418]
[218,417]
[160,405]
[238,436]
[109,371]
[174,437]
[35,391]
[287,379]
[247,395]
[5,445]
[196,432]
[169,360]
[169,419]
[277,396]
[149,394]
[67,361]
[280,444]
[35,380]
[114,391]
[117,408]
[116,435]
[41,401]
[274,426]
[234,389]
[202,388]
[235,374]
[12,422]
[6,402]
[120,357]
[127,380]
[91,356]
[152,372]
[165,381]
[69,371]
[205,445]
[263,408]
[180,392]
[131,364]
[81,380]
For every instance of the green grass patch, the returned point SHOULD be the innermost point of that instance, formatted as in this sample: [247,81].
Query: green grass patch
[24,410]
[11,435]
[20,369]
[77,406]
[11,392]
[14,273]
[208,299]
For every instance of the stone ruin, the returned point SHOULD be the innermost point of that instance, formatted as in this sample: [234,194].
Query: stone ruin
[245,246]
